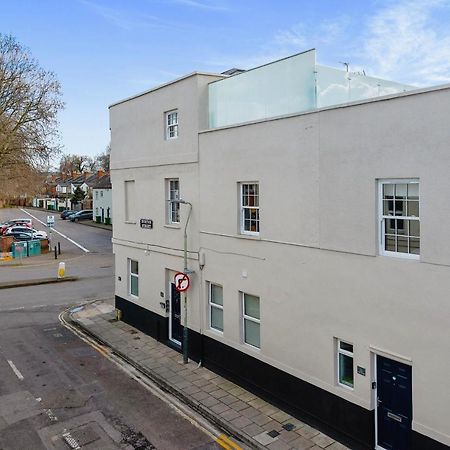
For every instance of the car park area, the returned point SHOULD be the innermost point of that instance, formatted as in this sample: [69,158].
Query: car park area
[70,235]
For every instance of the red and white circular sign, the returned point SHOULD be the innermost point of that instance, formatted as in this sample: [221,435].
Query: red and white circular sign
[181,281]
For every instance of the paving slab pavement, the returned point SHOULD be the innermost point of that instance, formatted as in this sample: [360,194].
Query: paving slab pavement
[240,413]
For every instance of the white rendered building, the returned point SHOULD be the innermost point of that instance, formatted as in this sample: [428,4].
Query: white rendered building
[318,240]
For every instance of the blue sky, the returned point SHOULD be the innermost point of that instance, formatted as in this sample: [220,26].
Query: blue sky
[105,50]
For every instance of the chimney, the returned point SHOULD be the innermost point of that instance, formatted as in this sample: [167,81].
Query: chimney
[100,173]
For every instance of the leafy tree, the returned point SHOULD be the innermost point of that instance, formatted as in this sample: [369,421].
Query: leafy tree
[30,98]
[78,195]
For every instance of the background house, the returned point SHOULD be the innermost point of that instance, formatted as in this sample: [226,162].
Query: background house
[102,200]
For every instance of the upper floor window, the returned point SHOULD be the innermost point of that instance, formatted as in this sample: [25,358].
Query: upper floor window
[173,193]
[215,307]
[172,124]
[101,193]
[249,208]
[399,218]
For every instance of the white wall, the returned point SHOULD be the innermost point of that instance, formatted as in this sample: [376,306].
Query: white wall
[315,264]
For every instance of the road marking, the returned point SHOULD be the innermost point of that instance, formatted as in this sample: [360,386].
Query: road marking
[15,370]
[51,415]
[56,231]
[183,410]
[227,443]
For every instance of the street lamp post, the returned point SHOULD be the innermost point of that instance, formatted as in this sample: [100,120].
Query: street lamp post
[185,271]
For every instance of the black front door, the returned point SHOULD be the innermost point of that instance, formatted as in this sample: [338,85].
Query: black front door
[176,331]
[394,406]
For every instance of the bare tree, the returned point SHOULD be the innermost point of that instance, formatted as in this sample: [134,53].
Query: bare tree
[76,163]
[30,98]
[103,159]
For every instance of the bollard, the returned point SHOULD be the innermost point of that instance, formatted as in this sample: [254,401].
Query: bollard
[61,270]
[59,248]
[56,254]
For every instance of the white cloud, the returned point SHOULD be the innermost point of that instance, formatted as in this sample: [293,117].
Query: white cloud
[406,43]
[124,19]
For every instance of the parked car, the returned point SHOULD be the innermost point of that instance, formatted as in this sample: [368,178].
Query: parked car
[84,214]
[5,225]
[21,236]
[66,213]
[37,234]
[26,222]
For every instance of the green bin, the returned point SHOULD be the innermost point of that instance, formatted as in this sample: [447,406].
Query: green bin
[34,248]
[19,249]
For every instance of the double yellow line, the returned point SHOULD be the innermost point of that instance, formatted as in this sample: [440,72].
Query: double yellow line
[227,443]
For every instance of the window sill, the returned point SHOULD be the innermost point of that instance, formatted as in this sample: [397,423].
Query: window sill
[255,237]
[173,227]
[131,222]
[252,347]
[216,331]
[397,255]
[344,386]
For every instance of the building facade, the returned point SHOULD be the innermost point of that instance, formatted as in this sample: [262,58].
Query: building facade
[102,200]
[319,251]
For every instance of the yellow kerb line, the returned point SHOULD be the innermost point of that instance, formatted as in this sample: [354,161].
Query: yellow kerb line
[227,443]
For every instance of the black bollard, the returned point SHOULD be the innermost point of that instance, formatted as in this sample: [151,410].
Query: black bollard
[56,254]
[59,248]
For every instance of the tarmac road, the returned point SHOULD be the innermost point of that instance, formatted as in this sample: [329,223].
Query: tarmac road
[53,386]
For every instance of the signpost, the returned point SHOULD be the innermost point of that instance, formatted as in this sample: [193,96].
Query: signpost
[50,222]
[181,281]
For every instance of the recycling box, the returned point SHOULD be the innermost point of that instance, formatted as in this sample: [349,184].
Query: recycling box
[19,249]
[34,248]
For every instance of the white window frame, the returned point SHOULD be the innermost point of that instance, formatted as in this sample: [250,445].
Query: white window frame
[170,126]
[170,201]
[340,351]
[382,218]
[212,305]
[251,319]
[243,208]
[130,275]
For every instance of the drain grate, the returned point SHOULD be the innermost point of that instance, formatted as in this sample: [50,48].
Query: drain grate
[273,433]
[70,441]
[289,426]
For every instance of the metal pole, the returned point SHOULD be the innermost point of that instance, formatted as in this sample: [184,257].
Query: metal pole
[185,327]
[56,254]
[59,248]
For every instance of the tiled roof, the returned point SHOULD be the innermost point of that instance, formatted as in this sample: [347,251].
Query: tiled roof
[104,182]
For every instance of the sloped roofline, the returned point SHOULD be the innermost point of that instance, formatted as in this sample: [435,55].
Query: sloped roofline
[184,77]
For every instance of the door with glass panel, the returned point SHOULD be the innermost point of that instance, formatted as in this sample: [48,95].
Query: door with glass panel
[175,328]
